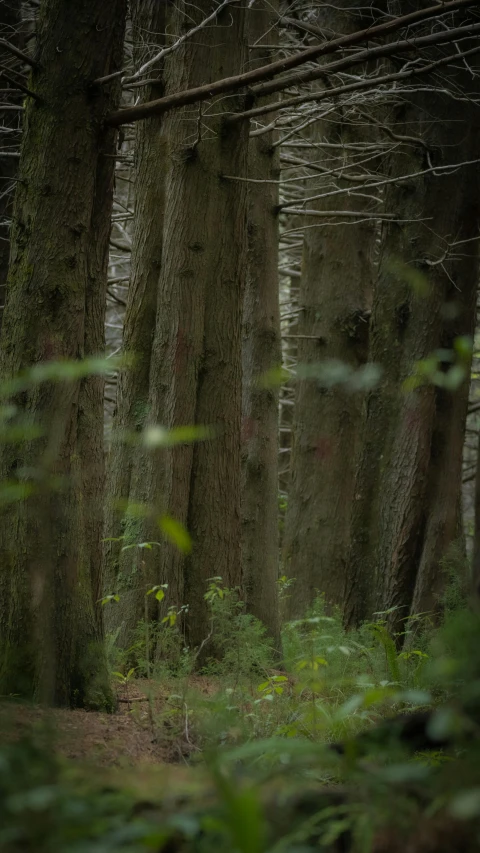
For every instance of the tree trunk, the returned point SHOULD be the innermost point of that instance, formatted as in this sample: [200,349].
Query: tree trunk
[334,301]
[10,121]
[444,525]
[476,541]
[261,353]
[405,504]
[126,462]
[195,375]
[50,629]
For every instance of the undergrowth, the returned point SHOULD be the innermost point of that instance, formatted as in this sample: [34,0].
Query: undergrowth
[330,685]
[306,755]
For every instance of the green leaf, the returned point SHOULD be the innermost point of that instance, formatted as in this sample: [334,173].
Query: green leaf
[405,772]
[415,697]
[134,509]
[416,279]
[190,434]
[158,589]
[463,346]
[328,373]
[108,598]
[145,545]
[243,817]
[454,378]
[411,383]
[158,436]
[36,800]
[365,378]
[23,431]
[155,436]
[443,722]
[58,371]
[466,804]
[176,533]
[12,491]
[377,695]
[274,377]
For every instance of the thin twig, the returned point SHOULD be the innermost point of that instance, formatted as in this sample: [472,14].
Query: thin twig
[19,85]
[266,72]
[19,53]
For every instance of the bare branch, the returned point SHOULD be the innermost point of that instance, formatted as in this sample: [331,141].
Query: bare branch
[166,50]
[265,72]
[367,55]
[19,53]
[303,27]
[367,83]
[326,214]
[19,85]
[181,40]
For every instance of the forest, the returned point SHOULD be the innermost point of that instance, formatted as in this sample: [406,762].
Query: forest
[239,426]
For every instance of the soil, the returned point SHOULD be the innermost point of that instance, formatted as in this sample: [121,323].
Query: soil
[138,733]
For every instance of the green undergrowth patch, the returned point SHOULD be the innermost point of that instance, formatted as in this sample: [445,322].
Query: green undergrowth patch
[358,741]
[330,684]
[265,796]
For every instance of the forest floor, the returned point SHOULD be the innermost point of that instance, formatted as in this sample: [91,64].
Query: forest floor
[147,756]
[137,733]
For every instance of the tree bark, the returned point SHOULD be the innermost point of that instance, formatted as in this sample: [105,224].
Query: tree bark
[444,523]
[10,121]
[50,627]
[261,353]
[407,489]
[476,541]
[195,375]
[127,464]
[334,301]
[312,54]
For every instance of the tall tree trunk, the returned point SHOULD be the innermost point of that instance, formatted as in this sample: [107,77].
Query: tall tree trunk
[476,541]
[405,506]
[444,523]
[126,461]
[195,375]
[50,629]
[261,353]
[334,300]
[10,125]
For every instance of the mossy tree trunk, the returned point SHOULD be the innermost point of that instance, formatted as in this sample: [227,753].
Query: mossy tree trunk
[408,481]
[261,354]
[126,463]
[50,543]
[195,374]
